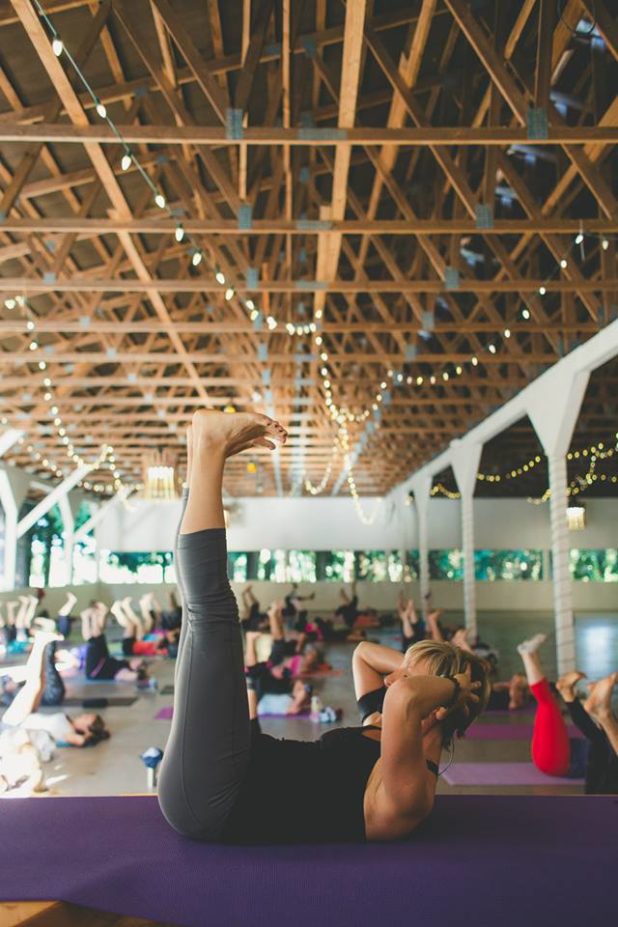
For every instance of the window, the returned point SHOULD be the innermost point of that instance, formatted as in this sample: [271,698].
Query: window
[491,565]
[594,566]
[137,567]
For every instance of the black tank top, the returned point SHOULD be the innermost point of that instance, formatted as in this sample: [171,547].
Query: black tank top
[304,792]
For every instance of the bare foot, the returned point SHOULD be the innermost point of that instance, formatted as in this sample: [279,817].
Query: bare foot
[46,637]
[598,703]
[237,432]
[532,645]
[46,624]
[566,685]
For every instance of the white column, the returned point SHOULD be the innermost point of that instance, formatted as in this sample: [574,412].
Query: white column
[54,496]
[68,509]
[554,416]
[465,457]
[13,490]
[422,495]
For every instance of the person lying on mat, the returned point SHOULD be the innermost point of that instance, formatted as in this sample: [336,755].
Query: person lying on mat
[412,626]
[253,618]
[275,690]
[53,685]
[98,662]
[461,637]
[133,643]
[81,731]
[223,780]
[553,752]
[292,603]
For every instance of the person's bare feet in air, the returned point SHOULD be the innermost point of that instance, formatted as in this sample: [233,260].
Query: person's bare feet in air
[566,685]
[236,432]
[532,644]
[599,702]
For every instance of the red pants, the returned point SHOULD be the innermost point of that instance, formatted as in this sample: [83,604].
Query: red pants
[551,751]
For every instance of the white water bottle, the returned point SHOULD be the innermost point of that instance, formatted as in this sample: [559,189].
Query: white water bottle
[316,708]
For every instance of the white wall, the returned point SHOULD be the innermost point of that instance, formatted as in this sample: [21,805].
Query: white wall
[332,524]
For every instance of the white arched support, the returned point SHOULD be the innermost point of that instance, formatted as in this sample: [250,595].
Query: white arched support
[554,416]
[567,378]
[422,494]
[466,457]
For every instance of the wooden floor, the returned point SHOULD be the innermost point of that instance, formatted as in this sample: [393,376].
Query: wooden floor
[61,914]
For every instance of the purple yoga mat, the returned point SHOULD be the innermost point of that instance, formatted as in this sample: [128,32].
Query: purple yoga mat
[522,859]
[165,714]
[502,774]
[507,732]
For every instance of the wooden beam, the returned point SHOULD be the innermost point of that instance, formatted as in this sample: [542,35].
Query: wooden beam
[503,136]
[204,285]
[153,224]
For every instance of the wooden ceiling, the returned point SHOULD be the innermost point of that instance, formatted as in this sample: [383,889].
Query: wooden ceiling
[394,184]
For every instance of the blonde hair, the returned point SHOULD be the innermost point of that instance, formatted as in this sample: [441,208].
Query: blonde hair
[444,659]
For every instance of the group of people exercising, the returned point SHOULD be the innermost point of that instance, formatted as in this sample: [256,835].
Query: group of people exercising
[222,779]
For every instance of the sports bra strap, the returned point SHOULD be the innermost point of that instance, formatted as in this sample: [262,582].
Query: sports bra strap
[433,767]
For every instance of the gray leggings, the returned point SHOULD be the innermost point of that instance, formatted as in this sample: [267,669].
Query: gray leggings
[207,753]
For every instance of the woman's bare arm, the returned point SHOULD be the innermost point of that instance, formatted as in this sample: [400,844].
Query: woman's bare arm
[370,663]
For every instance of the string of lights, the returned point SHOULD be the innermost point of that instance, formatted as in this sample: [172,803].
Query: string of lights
[576,486]
[105,458]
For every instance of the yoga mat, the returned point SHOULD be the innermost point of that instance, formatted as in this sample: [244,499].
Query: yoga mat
[165,714]
[103,702]
[508,732]
[521,860]
[502,774]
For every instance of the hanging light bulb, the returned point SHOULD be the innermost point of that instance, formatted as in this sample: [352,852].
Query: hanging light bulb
[542,290]
[160,200]
[101,109]
[179,234]
[475,361]
[507,332]
[126,160]
[492,349]
[57,46]
[220,277]
[525,313]
[229,293]
[579,238]
[563,263]
[10,303]
[197,258]
[605,244]
[250,304]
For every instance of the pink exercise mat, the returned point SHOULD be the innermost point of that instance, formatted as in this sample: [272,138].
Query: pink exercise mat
[502,774]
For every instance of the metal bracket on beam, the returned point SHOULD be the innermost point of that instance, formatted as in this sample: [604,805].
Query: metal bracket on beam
[538,124]
[451,278]
[484,216]
[313,225]
[233,123]
[245,216]
[322,135]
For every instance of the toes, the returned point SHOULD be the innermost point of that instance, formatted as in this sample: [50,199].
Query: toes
[263,442]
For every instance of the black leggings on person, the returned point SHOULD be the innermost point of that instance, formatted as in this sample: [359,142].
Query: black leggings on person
[99,664]
[208,750]
[54,691]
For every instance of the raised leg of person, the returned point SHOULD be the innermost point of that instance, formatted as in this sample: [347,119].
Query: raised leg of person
[68,605]
[550,748]
[29,696]
[53,689]
[208,749]
[179,578]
